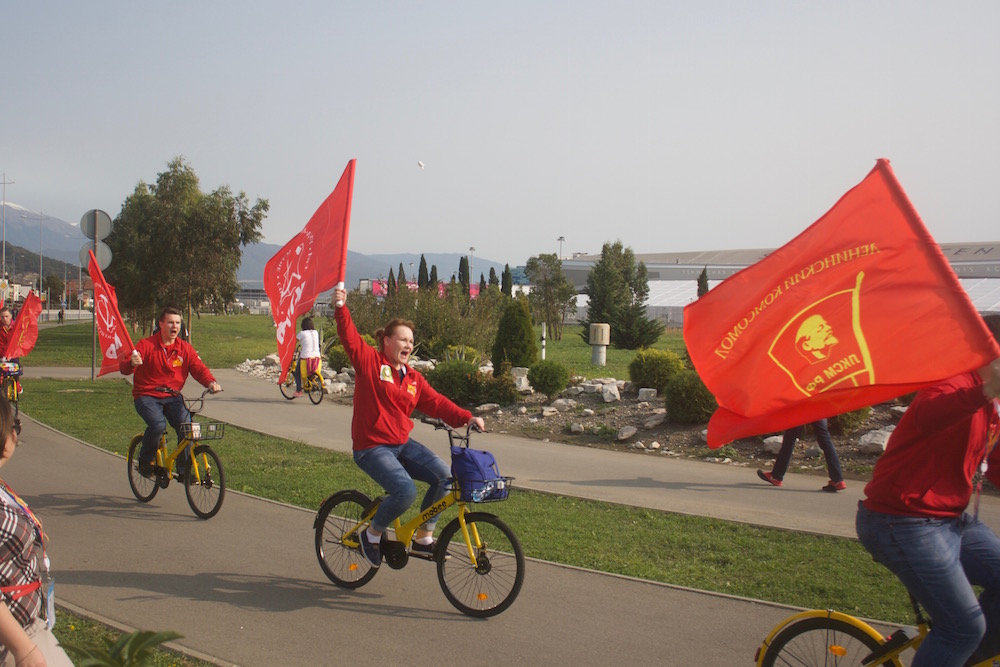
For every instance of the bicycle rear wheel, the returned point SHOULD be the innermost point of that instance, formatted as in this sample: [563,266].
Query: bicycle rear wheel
[206,484]
[819,642]
[143,488]
[491,585]
[337,525]
[288,386]
[315,388]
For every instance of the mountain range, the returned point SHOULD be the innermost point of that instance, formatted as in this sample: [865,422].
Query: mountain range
[58,239]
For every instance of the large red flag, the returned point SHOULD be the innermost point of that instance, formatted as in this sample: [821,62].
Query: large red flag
[116,344]
[312,262]
[25,331]
[859,308]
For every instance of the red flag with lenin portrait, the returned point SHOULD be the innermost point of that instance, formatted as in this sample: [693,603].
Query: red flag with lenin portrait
[116,344]
[25,329]
[312,262]
[860,308]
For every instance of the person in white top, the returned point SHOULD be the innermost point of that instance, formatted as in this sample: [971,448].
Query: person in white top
[309,353]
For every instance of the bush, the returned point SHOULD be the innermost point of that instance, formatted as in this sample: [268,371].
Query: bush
[515,339]
[336,358]
[849,421]
[654,368]
[455,379]
[549,377]
[496,388]
[688,401]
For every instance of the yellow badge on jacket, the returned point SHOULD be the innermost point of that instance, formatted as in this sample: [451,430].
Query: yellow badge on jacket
[177,363]
[385,373]
[412,389]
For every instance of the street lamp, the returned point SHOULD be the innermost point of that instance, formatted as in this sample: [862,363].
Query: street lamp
[472,256]
[5,184]
[560,239]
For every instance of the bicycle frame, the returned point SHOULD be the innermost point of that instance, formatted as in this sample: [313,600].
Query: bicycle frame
[403,532]
[168,460]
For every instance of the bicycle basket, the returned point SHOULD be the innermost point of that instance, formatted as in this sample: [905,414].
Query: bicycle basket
[203,430]
[10,368]
[479,479]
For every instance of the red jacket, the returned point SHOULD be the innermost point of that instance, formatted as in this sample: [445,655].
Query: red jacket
[933,453]
[383,402]
[164,366]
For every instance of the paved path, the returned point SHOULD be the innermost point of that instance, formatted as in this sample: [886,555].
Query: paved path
[244,587]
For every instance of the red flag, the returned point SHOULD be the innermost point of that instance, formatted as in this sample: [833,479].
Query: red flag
[859,308]
[116,344]
[25,329]
[312,262]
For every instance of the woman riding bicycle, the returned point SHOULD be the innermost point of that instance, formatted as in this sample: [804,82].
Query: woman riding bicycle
[386,393]
[913,520]
[309,354]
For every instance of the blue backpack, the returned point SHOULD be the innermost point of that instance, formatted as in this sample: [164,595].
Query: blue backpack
[477,474]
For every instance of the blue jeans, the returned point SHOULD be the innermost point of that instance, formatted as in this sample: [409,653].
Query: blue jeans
[825,444]
[395,467]
[156,412]
[939,561]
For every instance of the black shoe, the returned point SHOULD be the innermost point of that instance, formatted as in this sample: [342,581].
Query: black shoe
[146,469]
[371,552]
[425,551]
[184,478]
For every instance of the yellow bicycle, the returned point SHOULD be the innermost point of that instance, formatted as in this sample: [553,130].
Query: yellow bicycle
[826,637]
[205,482]
[312,383]
[480,562]
[10,372]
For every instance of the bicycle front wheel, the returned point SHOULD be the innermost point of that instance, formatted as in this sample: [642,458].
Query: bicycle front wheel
[315,388]
[143,488]
[819,642]
[10,388]
[337,526]
[288,386]
[206,483]
[490,585]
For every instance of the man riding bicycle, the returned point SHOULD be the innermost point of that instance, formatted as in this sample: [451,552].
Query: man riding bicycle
[164,360]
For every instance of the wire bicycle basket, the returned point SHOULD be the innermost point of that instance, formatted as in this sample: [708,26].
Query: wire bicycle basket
[203,430]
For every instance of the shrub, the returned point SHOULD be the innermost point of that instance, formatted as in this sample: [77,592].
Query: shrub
[654,368]
[496,388]
[849,421]
[336,358]
[515,339]
[456,380]
[688,401]
[461,353]
[549,377]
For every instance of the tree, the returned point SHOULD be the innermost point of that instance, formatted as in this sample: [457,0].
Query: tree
[54,285]
[507,284]
[174,244]
[390,286]
[422,276]
[432,279]
[463,273]
[551,294]
[703,283]
[400,276]
[618,287]
[515,339]
[482,283]
[493,277]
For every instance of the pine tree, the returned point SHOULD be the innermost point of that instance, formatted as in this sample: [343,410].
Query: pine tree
[507,286]
[515,340]
[390,288]
[422,278]
[463,273]
[432,279]
[618,287]
[401,276]
[493,277]
[703,283]
[482,283]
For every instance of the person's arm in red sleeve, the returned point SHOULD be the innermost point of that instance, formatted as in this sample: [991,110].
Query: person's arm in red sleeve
[433,404]
[354,345]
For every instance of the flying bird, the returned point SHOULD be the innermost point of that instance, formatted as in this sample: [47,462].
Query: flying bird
[420,164]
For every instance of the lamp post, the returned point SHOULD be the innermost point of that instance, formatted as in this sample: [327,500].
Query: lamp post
[5,184]
[472,256]
[560,239]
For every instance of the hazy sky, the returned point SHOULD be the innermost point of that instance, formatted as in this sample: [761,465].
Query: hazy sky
[669,125]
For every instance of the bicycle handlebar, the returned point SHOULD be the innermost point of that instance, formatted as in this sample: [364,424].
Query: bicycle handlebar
[453,434]
[189,403]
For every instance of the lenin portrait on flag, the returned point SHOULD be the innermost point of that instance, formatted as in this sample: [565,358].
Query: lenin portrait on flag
[823,346]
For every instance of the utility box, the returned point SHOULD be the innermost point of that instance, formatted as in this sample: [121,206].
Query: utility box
[600,338]
[600,334]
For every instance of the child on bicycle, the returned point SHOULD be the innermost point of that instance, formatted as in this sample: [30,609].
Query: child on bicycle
[309,353]
[386,393]
[914,522]
[164,360]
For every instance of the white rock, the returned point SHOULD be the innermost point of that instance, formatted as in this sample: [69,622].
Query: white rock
[486,408]
[772,444]
[610,393]
[654,421]
[626,432]
[874,442]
